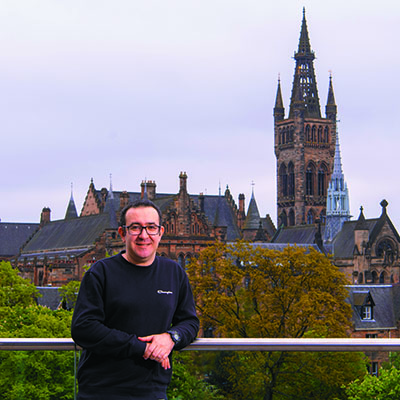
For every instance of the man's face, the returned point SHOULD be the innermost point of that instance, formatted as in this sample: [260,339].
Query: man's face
[141,249]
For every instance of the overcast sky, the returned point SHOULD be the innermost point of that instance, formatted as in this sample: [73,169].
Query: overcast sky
[146,89]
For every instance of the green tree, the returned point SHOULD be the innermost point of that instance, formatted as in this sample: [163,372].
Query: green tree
[69,294]
[245,291]
[15,290]
[384,387]
[188,383]
[34,375]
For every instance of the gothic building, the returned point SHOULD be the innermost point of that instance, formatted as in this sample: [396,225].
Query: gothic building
[304,143]
[61,250]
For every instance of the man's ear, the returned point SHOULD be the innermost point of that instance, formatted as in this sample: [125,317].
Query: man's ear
[161,231]
[121,232]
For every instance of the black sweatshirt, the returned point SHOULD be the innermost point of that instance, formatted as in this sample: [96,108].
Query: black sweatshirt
[118,302]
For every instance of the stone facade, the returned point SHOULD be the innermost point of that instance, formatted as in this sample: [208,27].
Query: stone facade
[61,250]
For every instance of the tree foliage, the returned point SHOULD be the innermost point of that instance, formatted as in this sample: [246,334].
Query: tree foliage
[35,375]
[245,291]
[188,383]
[15,290]
[384,387]
[69,294]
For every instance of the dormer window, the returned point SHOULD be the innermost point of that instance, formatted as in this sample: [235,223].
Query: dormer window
[366,312]
[364,304]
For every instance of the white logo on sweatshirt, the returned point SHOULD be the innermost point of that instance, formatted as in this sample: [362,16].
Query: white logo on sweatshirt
[164,292]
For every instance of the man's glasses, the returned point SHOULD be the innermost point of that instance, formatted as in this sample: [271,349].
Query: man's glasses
[136,229]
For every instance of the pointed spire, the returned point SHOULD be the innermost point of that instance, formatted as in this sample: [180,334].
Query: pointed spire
[253,216]
[337,199]
[331,108]
[361,224]
[109,207]
[279,110]
[304,41]
[71,208]
[337,176]
[304,90]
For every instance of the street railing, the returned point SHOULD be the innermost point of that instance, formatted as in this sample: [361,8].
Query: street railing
[222,344]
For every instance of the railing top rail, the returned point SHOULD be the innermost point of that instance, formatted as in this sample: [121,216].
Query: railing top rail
[231,344]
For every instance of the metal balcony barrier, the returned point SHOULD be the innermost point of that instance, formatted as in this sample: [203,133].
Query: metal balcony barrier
[221,344]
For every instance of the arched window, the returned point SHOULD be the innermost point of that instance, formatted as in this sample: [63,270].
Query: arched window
[314,133]
[308,133]
[292,134]
[386,250]
[288,135]
[283,179]
[283,218]
[282,135]
[310,172]
[181,260]
[326,135]
[310,216]
[320,138]
[382,277]
[322,172]
[291,218]
[374,277]
[291,181]
[360,278]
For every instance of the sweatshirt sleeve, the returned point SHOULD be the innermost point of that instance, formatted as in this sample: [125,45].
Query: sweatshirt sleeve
[88,328]
[185,320]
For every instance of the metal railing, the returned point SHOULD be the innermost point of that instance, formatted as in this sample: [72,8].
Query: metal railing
[202,344]
[220,344]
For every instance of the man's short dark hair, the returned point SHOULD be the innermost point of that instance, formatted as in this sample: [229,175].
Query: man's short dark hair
[138,204]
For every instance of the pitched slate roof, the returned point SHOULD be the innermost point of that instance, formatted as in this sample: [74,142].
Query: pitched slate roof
[50,297]
[386,308]
[282,246]
[299,234]
[13,236]
[214,203]
[78,233]
[343,243]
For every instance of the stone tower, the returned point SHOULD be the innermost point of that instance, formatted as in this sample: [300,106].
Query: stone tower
[304,143]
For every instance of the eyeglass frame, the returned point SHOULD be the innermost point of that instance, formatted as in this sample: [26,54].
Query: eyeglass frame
[141,229]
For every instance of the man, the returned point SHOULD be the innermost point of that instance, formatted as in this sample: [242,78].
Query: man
[132,310]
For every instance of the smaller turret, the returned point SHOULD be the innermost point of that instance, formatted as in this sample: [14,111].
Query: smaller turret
[331,108]
[279,110]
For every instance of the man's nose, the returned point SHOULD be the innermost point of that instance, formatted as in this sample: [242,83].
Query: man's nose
[143,232]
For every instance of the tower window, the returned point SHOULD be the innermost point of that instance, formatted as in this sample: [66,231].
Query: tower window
[322,181]
[310,181]
[291,218]
[284,180]
[326,135]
